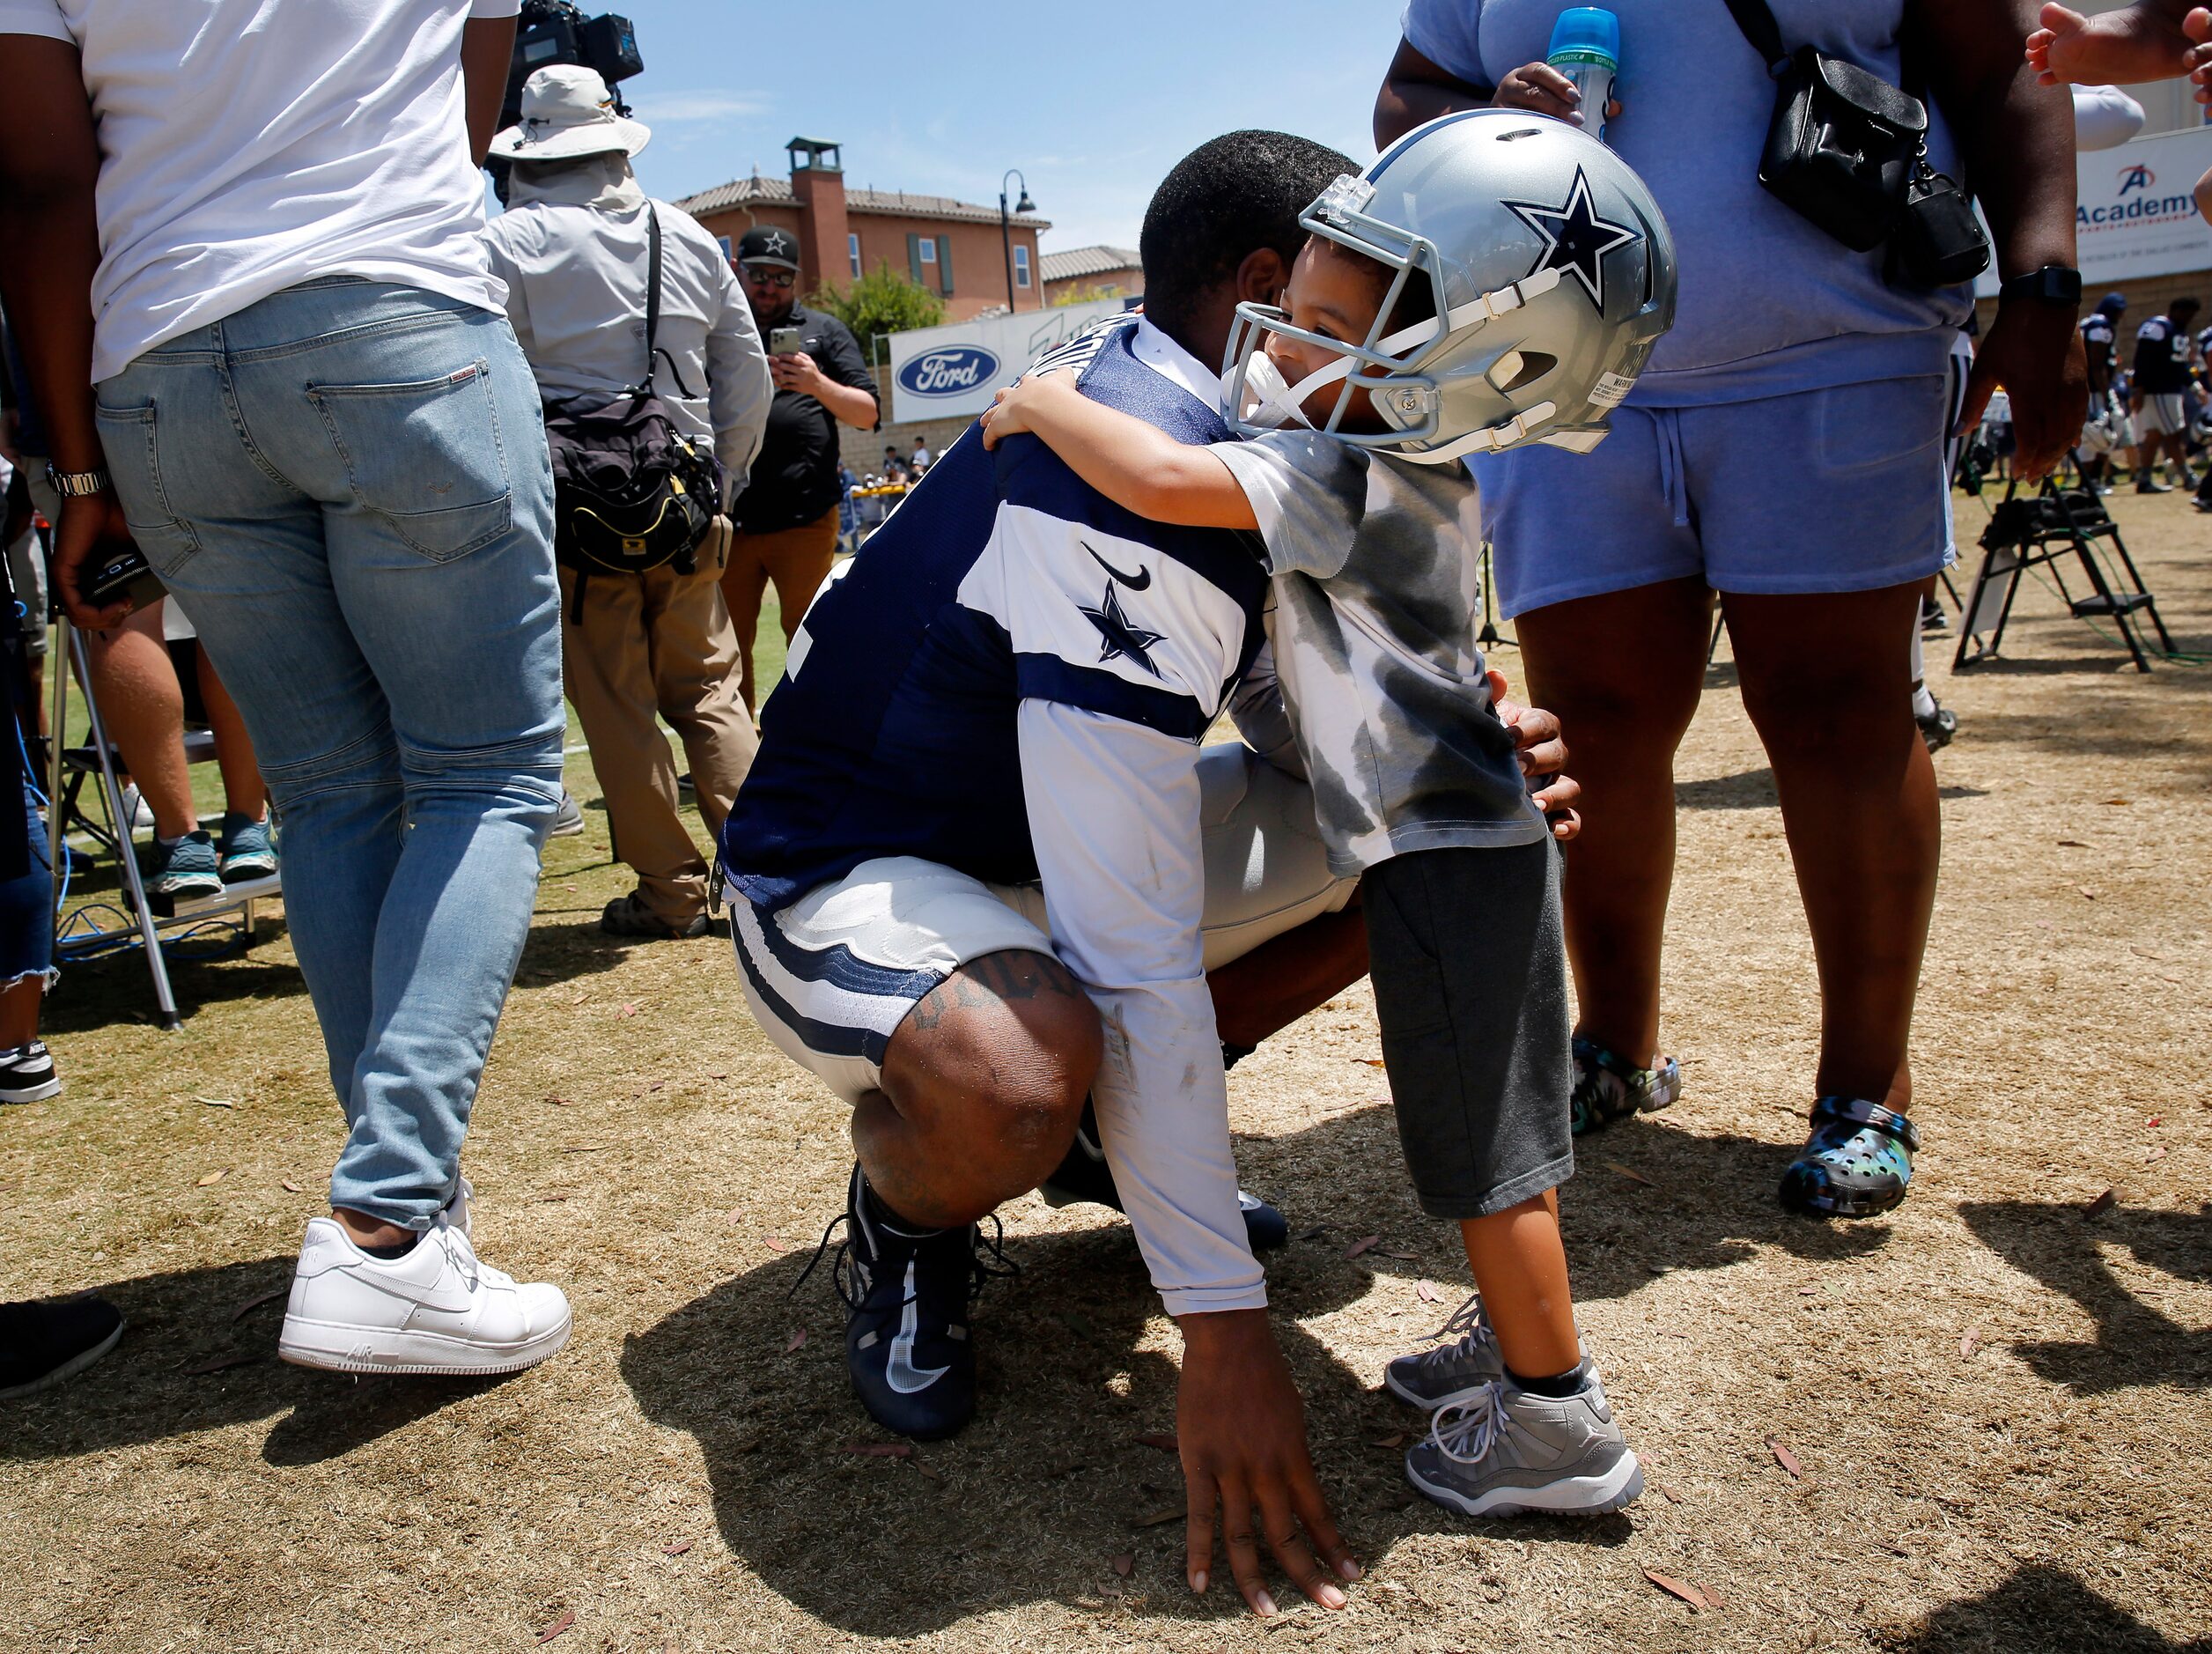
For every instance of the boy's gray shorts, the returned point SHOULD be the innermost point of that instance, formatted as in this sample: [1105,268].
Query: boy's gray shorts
[1469,960]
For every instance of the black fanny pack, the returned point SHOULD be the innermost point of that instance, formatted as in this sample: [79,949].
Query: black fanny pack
[631,492]
[1848,152]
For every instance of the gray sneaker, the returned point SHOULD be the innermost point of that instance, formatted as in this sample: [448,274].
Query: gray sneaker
[568,821]
[1452,1373]
[179,870]
[1511,1453]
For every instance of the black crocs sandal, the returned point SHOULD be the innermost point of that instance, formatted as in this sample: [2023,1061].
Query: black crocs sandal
[1858,1162]
[1608,1087]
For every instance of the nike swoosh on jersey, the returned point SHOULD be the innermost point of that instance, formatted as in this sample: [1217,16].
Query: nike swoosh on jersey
[1135,582]
[900,1373]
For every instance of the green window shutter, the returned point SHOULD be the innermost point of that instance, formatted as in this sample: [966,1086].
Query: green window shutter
[914,256]
[945,265]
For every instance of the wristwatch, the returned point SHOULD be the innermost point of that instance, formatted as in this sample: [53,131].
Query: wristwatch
[2055,282]
[77,484]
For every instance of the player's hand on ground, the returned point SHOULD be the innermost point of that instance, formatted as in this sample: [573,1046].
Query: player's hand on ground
[1242,1430]
[1008,414]
[1542,90]
[89,521]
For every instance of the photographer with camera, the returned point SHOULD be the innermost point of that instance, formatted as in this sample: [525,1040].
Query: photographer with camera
[787,520]
[611,293]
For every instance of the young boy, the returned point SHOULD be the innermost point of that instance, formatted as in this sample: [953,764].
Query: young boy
[1373,557]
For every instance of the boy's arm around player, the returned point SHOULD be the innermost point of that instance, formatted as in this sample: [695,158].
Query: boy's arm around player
[1138,467]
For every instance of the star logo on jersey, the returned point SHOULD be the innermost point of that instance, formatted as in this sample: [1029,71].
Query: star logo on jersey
[1121,637]
[1575,239]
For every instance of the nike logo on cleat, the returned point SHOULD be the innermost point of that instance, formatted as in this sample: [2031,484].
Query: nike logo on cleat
[900,1371]
[1135,582]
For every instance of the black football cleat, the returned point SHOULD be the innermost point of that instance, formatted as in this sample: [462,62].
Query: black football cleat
[1083,1176]
[906,1341]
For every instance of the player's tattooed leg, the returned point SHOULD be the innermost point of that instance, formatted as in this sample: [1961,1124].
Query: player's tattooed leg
[982,1085]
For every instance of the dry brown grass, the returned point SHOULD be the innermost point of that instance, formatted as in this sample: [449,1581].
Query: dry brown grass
[1998,1401]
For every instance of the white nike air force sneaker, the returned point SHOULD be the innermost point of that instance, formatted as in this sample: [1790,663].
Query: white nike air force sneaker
[438,1309]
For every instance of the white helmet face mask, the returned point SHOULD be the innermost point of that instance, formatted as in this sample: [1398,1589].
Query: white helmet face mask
[1551,274]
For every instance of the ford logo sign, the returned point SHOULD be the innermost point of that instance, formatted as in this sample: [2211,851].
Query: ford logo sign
[951,370]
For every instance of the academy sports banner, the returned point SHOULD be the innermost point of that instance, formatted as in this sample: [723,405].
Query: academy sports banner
[2137,214]
[953,371]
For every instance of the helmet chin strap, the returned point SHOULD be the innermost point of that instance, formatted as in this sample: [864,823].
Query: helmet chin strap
[1289,405]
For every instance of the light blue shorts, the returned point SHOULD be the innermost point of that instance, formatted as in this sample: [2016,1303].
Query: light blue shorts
[1841,490]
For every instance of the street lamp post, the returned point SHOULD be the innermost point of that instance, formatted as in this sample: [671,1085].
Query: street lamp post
[1006,224]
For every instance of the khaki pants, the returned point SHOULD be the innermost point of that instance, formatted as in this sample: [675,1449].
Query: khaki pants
[797,559]
[661,643]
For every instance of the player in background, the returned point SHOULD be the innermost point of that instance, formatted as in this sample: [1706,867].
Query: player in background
[2164,349]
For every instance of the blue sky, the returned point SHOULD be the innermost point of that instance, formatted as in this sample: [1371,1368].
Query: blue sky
[942,99]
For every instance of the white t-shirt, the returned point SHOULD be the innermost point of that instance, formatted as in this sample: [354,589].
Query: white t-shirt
[248,146]
[921,457]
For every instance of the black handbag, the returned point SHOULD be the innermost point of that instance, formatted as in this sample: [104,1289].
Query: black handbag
[631,492]
[1848,152]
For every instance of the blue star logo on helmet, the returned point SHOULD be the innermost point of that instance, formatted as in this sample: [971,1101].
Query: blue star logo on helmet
[1575,239]
[1119,635]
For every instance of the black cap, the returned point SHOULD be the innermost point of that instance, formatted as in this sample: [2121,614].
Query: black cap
[765,244]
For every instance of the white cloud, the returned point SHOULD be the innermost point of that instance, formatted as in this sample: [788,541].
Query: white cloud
[699,108]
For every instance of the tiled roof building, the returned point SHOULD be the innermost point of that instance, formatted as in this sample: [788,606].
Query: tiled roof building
[952,247]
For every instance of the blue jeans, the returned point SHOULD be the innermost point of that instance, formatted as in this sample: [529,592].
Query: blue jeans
[27,901]
[348,483]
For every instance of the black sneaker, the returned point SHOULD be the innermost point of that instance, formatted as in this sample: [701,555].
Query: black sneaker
[1938,727]
[906,1344]
[2152,485]
[27,1075]
[42,1344]
[1083,1177]
[630,916]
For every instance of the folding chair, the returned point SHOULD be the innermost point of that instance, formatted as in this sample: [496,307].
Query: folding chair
[71,769]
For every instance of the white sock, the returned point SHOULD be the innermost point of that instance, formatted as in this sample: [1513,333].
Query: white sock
[1923,702]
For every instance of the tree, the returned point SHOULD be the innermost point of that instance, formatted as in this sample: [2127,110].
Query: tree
[1090,293]
[879,304]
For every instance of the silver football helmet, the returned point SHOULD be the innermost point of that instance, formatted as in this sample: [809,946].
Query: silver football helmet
[1552,275]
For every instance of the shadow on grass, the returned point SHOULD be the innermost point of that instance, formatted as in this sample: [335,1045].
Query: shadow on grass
[1034,1498]
[95,993]
[2136,1343]
[157,1384]
[1754,789]
[2041,1608]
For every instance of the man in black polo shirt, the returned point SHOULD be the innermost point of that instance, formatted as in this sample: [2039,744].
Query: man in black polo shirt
[786,519]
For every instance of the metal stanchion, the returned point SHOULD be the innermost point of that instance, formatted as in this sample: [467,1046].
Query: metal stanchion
[113,793]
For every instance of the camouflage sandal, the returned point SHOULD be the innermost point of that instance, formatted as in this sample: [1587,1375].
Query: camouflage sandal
[1857,1163]
[1608,1089]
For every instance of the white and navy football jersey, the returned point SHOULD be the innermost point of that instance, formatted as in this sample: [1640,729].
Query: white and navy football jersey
[2100,342]
[1002,578]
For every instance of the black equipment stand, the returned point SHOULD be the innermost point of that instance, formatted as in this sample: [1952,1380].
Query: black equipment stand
[2047,530]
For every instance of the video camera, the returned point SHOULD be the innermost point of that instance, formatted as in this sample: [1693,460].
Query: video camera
[550,31]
